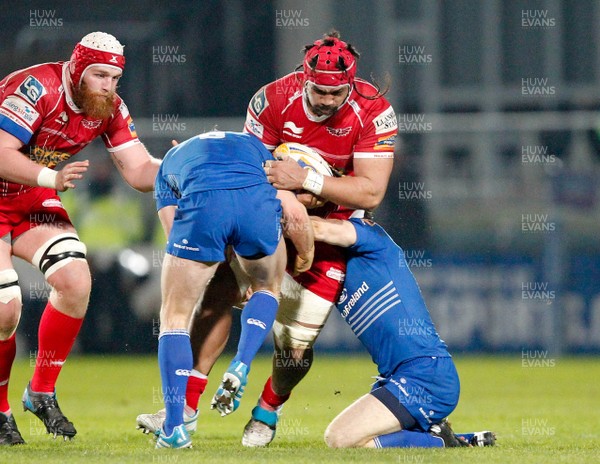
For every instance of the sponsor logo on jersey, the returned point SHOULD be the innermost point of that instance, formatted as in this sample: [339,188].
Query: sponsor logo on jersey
[131,127]
[47,157]
[256,322]
[95,124]
[354,298]
[62,118]
[339,131]
[259,102]
[124,110]
[292,130]
[254,126]
[386,121]
[21,109]
[343,296]
[335,274]
[13,118]
[385,143]
[52,203]
[31,89]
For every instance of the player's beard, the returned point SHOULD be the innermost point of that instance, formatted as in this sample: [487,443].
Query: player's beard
[321,110]
[96,105]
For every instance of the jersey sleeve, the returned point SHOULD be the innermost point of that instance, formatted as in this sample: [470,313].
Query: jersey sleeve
[23,102]
[165,192]
[371,239]
[260,118]
[120,132]
[263,153]
[378,137]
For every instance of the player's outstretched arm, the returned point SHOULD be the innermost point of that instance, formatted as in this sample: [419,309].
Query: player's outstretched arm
[333,231]
[137,167]
[16,167]
[297,227]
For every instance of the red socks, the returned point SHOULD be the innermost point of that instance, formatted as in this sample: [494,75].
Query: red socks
[8,349]
[195,388]
[56,336]
[271,400]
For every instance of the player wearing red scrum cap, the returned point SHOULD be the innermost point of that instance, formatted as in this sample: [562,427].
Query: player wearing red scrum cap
[349,122]
[48,113]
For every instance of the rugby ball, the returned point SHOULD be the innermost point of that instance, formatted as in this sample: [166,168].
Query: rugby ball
[305,156]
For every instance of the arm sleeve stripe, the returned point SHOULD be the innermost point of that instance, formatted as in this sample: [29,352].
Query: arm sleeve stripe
[128,144]
[381,154]
[15,129]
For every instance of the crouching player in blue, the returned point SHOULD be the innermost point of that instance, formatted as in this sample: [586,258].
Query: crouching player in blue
[211,192]
[418,386]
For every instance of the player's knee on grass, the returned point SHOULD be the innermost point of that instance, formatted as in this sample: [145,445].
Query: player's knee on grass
[336,437]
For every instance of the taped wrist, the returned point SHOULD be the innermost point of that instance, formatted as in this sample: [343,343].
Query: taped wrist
[47,178]
[313,182]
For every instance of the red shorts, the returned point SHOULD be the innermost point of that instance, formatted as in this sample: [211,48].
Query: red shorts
[326,276]
[37,206]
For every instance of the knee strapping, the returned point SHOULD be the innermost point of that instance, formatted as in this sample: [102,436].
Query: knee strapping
[58,252]
[294,335]
[9,286]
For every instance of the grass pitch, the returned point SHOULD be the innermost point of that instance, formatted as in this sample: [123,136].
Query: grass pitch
[541,414]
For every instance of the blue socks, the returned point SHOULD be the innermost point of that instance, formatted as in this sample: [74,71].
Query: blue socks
[408,439]
[175,362]
[257,319]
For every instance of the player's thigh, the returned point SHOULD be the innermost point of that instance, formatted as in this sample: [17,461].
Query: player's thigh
[56,250]
[30,241]
[267,272]
[5,253]
[183,282]
[258,227]
[301,315]
[10,293]
[360,422]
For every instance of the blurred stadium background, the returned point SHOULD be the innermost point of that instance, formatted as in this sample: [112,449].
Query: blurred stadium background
[494,191]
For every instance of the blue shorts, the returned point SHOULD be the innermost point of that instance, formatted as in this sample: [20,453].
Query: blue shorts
[205,223]
[428,388]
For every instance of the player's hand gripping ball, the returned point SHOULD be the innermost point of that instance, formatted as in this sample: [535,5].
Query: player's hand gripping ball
[308,158]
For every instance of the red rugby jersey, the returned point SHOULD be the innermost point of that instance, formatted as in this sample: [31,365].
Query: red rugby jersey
[38,109]
[361,128]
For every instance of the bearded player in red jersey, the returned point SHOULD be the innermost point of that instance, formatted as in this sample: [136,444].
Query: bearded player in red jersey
[353,127]
[350,123]
[48,113]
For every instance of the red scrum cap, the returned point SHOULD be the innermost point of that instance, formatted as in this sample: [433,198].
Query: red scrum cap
[329,62]
[96,48]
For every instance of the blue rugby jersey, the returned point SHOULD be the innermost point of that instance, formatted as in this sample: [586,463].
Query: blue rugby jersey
[382,302]
[210,161]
